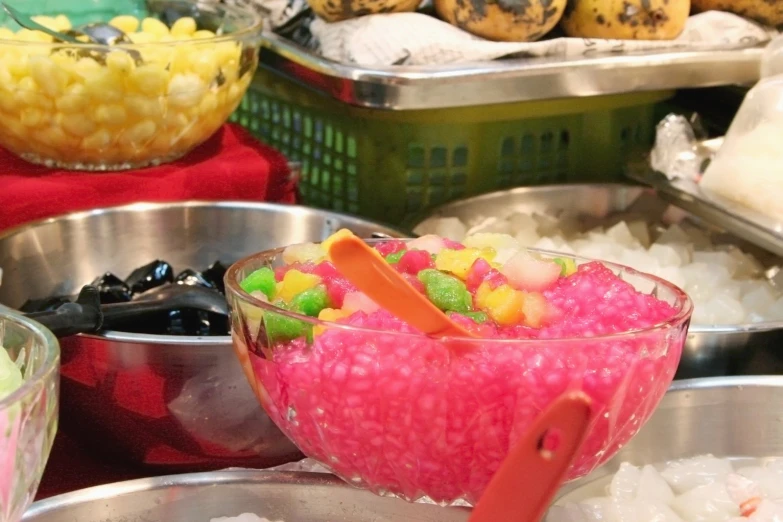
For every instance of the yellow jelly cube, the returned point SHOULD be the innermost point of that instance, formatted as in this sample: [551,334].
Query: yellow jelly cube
[535,309]
[331,315]
[343,232]
[458,262]
[303,253]
[295,282]
[504,305]
[567,265]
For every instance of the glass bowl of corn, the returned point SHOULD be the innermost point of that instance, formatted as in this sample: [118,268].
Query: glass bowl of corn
[124,105]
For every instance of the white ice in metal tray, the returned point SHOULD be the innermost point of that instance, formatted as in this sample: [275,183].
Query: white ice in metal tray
[701,489]
[674,153]
[244,517]
[726,284]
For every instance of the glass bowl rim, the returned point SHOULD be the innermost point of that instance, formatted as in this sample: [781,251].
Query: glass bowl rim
[683,305]
[256,25]
[51,357]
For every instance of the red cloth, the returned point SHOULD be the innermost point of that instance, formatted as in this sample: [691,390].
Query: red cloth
[232,165]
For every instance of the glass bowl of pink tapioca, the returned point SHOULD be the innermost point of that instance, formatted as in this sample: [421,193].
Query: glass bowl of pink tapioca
[28,410]
[403,414]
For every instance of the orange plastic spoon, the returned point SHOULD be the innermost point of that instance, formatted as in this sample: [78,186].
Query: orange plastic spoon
[369,272]
[531,474]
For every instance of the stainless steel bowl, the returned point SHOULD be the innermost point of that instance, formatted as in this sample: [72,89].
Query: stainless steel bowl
[725,416]
[175,403]
[198,497]
[709,350]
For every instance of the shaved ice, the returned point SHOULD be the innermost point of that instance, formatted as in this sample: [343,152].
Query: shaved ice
[699,489]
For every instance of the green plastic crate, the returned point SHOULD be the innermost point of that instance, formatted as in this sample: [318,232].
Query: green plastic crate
[387,165]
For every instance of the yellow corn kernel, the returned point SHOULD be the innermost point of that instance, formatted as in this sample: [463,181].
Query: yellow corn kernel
[31,117]
[327,243]
[227,54]
[209,104]
[154,27]
[143,106]
[104,86]
[183,27]
[51,79]
[86,68]
[504,305]
[57,138]
[7,102]
[17,64]
[235,93]
[160,144]
[125,23]
[204,64]
[119,62]
[28,95]
[149,79]
[62,23]
[295,282]
[139,134]
[77,125]
[177,121]
[15,128]
[98,140]
[186,90]
[67,64]
[46,21]
[75,99]
[142,38]
[110,114]
[458,262]
[27,35]
[203,34]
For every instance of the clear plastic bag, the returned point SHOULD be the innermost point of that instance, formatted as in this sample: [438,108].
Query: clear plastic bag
[748,168]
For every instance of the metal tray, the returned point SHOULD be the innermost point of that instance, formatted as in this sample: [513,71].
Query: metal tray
[753,226]
[512,80]
[198,497]
[729,417]
[709,350]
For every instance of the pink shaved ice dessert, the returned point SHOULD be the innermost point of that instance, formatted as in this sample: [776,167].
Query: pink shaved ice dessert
[390,409]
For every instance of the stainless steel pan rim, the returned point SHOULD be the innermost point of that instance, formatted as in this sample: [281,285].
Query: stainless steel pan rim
[737,381]
[147,206]
[126,337]
[210,478]
[444,210]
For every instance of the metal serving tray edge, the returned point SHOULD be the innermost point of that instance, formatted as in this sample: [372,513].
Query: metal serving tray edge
[513,80]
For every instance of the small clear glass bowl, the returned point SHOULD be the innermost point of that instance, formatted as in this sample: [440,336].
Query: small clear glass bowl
[125,106]
[28,417]
[398,414]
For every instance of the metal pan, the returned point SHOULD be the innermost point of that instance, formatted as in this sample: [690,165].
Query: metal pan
[755,227]
[729,417]
[160,400]
[199,497]
[512,80]
[709,350]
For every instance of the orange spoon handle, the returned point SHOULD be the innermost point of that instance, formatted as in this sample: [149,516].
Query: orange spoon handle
[369,272]
[529,477]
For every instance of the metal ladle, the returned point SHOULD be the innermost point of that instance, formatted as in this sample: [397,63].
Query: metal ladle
[96,33]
